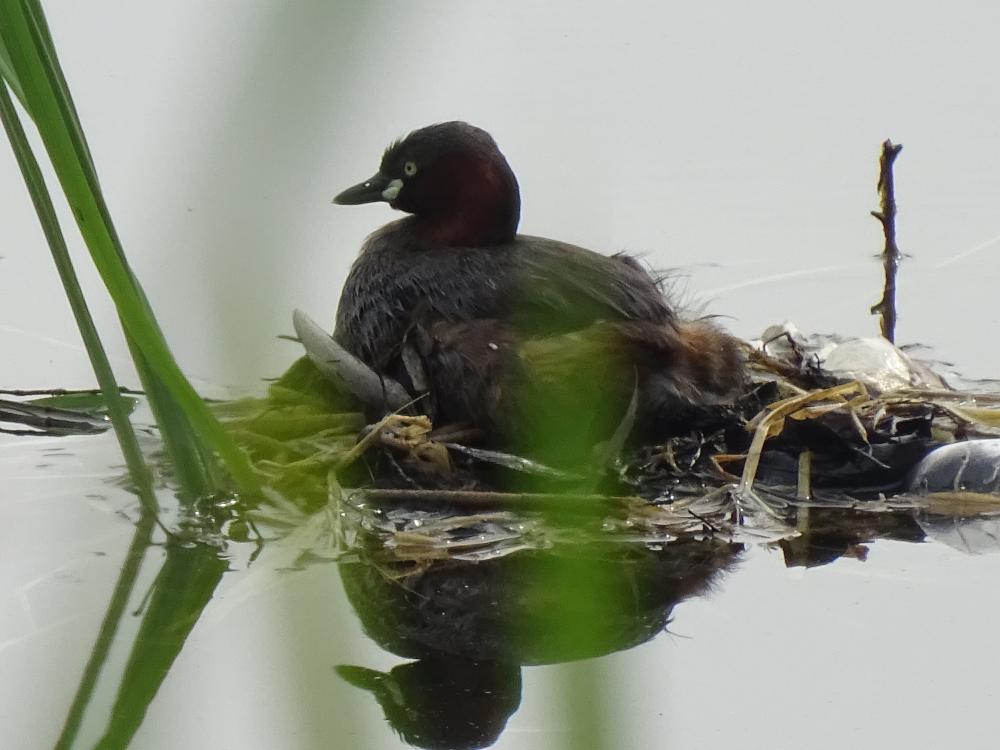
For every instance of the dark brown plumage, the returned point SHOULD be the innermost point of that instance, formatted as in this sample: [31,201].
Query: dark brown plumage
[513,330]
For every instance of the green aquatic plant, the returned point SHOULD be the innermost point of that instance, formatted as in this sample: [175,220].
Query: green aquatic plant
[205,458]
[118,409]
[193,437]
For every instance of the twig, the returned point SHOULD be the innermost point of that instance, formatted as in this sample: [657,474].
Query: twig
[479,499]
[886,307]
[711,526]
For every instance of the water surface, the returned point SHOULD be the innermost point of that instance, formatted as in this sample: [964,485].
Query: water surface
[736,143]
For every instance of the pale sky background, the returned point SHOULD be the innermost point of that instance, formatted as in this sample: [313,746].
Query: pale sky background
[734,141]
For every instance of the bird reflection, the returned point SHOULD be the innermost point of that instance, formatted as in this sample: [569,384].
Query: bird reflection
[444,701]
[470,626]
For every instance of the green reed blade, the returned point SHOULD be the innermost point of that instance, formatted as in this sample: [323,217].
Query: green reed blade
[118,408]
[46,96]
[7,72]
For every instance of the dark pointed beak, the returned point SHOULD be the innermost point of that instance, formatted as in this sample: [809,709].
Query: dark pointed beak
[369,191]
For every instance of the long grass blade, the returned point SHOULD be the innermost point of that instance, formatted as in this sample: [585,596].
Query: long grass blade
[7,72]
[30,52]
[118,408]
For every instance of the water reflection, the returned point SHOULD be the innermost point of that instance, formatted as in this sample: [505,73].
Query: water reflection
[495,591]
[827,534]
[471,626]
[467,627]
[444,701]
[467,598]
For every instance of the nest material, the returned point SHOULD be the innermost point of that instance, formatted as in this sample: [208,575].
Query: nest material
[423,495]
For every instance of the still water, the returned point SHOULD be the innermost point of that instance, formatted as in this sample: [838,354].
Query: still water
[893,650]
[736,144]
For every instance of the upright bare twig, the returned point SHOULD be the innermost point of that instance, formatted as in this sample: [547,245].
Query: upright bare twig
[886,307]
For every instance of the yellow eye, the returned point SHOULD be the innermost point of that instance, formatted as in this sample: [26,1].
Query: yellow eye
[410,169]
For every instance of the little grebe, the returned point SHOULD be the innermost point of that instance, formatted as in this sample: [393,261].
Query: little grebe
[511,331]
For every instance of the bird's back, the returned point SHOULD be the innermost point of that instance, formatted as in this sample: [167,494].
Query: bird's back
[537,286]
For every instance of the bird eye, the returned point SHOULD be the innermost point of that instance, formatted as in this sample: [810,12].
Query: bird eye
[410,168]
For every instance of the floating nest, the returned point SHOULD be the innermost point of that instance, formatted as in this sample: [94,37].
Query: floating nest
[830,432]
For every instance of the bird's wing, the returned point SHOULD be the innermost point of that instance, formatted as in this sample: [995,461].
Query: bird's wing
[561,287]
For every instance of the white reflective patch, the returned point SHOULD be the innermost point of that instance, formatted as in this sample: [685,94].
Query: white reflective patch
[392,190]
